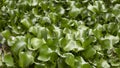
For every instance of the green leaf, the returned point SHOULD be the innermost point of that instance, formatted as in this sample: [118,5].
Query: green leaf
[69,59]
[33,30]
[98,31]
[1,60]
[117,51]
[113,39]
[89,53]
[44,53]
[25,59]
[64,22]
[43,33]
[32,3]
[61,10]
[86,65]
[60,33]
[6,34]
[53,17]
[45,20]
[44,5]
[109,41]
[72,45]
[105,44]
[36,43]
[88,41]
[61,63]
[52,44]
[19,45]
[54,56]
[35,11]
[39,65]
[63,42]
[74,12]
[80,63]
[11,41]
[57,31]
[26,22]
[1,64]
[103,63]
[8,60]
[92,8]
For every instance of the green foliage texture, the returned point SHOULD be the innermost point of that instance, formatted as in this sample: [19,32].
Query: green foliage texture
[60,33]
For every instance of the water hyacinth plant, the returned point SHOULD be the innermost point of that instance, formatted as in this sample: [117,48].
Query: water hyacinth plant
[59,33]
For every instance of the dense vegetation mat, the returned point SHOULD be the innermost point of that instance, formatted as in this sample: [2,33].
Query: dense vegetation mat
[59,33]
